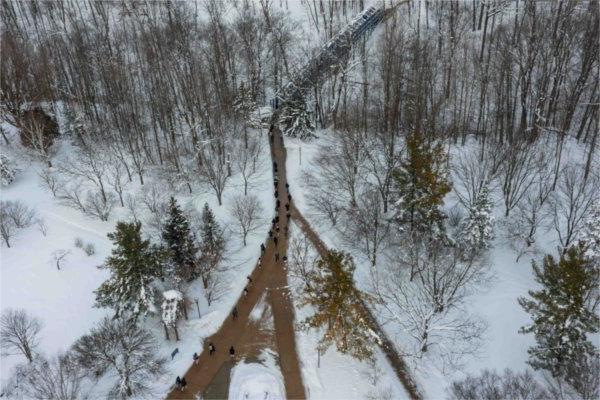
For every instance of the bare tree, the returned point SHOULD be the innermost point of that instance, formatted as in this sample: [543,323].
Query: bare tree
[50,180]
[428,304]
[20,331]
[215,167]
[89,164]
[472,173]
[59,256]
[366,227]
[247,212]
[489,385]
[215,288]
[301,258]
[57,378]
[517,174]
[121,346]
[117,178]
[572,201]
[14,215]
[248,160]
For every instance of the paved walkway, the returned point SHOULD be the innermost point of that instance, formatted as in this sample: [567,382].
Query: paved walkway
[271,278]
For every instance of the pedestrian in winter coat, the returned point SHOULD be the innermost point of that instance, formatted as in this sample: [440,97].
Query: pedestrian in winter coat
[196,358]
[287,186]
[277,228]
[287,207]
[275,240]
[183,384]
[211,349]
[289,198]
[234,313]
[277,218]
[276,194]
[262,248]
[287,216]
[178,383]
[274,165]
[231,352]
[287,228]
[245,291]
[278,203]
[270,233]
[249,280]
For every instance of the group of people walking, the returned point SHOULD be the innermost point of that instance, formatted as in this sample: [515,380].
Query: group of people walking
[273,235]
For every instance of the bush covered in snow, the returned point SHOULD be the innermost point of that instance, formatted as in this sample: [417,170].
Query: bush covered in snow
[8,170]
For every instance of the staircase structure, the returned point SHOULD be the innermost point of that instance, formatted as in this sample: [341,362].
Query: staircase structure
[334,51]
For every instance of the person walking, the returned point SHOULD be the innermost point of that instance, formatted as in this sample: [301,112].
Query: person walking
[259,262]
[245,291]
[287,207]
[289,198]
[276,257]
[287,228]
[270,233]
[287,187]
[178,383]
[262,248]
[231,352]
[277,218]
[183,384]
[196,358]
[211,349]
[234,313]
[276,194]
[249,280]
[287,215]
[275,240]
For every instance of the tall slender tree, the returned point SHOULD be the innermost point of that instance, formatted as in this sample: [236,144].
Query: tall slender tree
[180,245]
[133,264]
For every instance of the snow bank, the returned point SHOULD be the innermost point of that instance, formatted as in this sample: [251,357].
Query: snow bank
[254,381]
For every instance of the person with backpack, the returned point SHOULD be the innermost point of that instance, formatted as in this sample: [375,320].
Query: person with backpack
[178,383]
[183,384]
[196,358]
[211,349]
[234,313]
[231,352]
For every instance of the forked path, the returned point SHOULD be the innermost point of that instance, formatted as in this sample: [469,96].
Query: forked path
[271,278]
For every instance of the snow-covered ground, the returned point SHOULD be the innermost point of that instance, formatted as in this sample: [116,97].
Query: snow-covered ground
[257,381]
[63,299]
[496,302]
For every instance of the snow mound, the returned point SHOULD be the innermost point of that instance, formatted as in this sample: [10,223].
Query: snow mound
[255,382]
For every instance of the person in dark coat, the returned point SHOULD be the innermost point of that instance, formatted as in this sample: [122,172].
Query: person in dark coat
[276,257]
[277,218]
[275,240]
[196,358]
[231,352]
[183,384]
[287,186]
[234,313]
[270,233]
[289,198]
[245,291]
[178,383]
[276,194]
[211,349]
[249,280]
[287,216]
[287,206]
[262,248]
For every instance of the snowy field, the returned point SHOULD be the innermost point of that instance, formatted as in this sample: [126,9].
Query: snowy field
[63,299]
[496,302]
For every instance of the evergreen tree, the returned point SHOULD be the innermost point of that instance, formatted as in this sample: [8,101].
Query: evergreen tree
[133,264]
[420,185]
[338,308]
[180,245]
[296,121]
[212,245]
[563,313]
[477,229]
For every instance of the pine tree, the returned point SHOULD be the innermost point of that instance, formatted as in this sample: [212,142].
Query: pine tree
[477,229]
[212,245]
[338,308]
[420,184]
[180,245]
[590,235]
[563,313]
[296,121]
[133,264]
